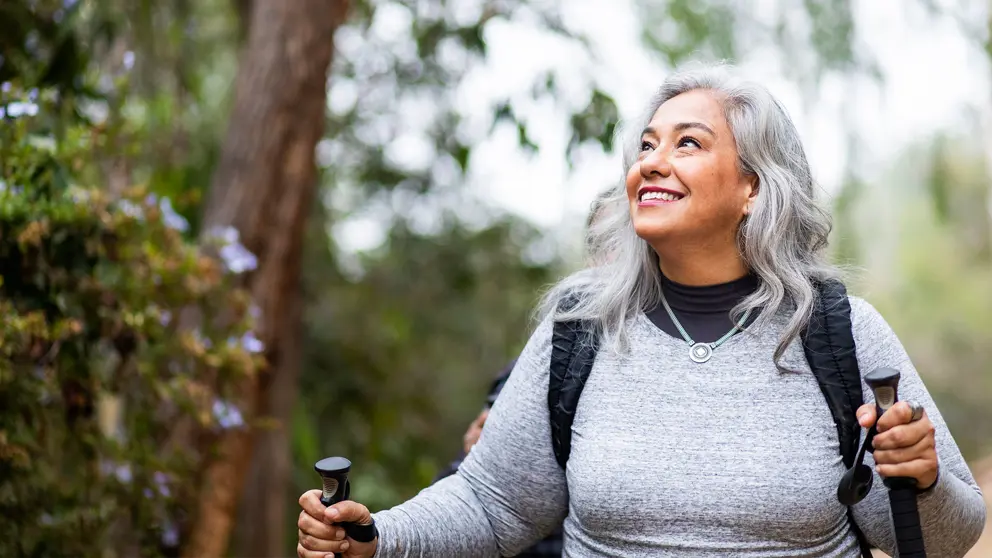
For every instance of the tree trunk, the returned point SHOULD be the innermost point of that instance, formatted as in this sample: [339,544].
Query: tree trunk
[264,186]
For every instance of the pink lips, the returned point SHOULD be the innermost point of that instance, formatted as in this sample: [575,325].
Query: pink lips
[657,201]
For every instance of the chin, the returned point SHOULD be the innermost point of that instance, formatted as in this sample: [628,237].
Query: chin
[654,230]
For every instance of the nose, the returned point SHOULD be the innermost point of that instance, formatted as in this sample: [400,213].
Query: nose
[656,164]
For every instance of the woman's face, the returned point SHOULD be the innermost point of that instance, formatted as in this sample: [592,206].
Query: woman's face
[686,185]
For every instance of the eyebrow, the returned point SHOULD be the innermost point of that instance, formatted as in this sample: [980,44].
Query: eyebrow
[680,127]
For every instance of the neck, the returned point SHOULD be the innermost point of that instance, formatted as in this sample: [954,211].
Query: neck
[701,266]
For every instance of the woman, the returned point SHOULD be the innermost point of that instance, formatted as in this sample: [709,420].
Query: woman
[736,455]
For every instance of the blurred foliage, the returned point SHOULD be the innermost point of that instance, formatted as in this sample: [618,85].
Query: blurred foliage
[92,290]
[807,38]
[395,121]
[403,354]
[924,234]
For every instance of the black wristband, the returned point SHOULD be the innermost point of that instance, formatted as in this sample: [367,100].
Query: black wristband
[361,533]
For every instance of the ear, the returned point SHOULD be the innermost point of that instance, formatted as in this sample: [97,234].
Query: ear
[752,195]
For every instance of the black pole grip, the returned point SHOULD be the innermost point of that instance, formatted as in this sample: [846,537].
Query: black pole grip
[884,383]
[334,472]
[906,520]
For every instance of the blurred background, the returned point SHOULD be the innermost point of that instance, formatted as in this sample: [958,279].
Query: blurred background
[239,236]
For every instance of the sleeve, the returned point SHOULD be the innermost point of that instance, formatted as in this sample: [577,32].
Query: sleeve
[952,512]
[508,493]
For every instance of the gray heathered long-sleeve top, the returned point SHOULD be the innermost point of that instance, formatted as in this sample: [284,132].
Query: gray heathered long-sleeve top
[732,457]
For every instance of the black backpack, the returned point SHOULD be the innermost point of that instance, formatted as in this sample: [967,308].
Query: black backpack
[827,341]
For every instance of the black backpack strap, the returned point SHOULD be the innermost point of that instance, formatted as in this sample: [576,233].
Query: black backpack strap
[573,351]
[831,352]
[832,355]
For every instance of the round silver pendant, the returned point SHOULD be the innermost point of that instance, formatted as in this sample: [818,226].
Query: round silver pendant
[700,352]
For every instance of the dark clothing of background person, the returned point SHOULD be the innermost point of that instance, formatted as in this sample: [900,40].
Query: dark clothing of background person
[550,546]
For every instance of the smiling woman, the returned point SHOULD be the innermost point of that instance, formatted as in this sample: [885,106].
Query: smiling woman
[687,190]
[713,241]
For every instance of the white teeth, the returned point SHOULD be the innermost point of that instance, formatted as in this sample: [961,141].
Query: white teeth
[664,196]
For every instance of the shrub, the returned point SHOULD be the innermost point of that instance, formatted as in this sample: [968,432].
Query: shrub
[115,328]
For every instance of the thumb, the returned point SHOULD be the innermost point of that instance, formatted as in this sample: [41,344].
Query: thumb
[866,415]
[348,511]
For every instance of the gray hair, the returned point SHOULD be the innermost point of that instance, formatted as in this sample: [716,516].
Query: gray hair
[782,240]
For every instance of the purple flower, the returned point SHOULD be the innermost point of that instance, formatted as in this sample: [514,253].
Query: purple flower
[122,471]
[170,534]
[165,317]
[198,336]
[128,60]
[172,219]
[227,415]
[248,342]
[131,209]
[237,258]
[162,483]
[17,109]
[251,343]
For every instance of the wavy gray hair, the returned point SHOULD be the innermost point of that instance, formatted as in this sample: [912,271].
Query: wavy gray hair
[782,241]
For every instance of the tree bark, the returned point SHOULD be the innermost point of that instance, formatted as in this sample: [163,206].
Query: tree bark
[264,186]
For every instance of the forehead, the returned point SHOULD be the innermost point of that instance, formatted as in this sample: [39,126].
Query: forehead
[699,105]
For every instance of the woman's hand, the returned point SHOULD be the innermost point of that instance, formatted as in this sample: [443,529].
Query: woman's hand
[320,538]
[903,447]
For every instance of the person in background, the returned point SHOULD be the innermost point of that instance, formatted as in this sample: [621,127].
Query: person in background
[550,546]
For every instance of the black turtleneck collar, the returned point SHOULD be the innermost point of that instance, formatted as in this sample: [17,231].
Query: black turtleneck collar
[704,311]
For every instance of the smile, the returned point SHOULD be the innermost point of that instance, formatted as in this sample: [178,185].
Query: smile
[651,196]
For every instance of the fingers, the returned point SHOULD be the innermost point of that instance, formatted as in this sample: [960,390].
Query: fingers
[923,470]
[319,537]
[348,511]
[324,546]
[923,449]
[310,525]
[310,502]
[904,448]
[900,413]
[304,552]
[904,435]
[866,415]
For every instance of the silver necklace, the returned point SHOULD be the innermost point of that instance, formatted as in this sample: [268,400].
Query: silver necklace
[701,352]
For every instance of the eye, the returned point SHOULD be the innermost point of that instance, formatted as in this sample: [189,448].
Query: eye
[687,141]
[646,146]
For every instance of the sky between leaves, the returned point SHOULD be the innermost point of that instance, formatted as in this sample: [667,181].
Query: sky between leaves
[935,77]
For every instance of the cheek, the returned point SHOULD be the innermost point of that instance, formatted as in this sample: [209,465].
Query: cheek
[711,185]
[633,180]
[702,180]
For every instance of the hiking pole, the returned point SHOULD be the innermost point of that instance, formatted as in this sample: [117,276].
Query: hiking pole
[333,472]
[884,383]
